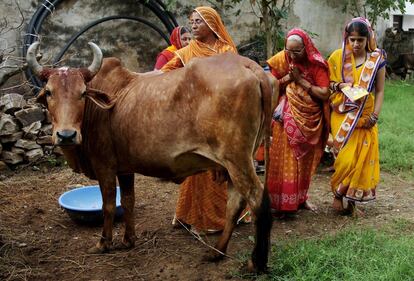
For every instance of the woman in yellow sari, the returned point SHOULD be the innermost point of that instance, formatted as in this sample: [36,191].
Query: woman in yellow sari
[202,201]
[358,65]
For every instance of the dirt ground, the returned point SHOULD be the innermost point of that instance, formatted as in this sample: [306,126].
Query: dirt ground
[38,241]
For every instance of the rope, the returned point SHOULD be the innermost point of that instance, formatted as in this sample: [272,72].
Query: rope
[199,238]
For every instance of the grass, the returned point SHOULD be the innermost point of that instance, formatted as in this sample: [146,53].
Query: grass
[396,129]
[354,254]
[361,253]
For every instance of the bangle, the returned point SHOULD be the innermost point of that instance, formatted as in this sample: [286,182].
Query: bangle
[337,88]
[307,88]
[332,86]
[373,118]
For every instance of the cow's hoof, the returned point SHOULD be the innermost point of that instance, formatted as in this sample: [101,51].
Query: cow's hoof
[124,245]
[213,256]
[98,250]
[250,268]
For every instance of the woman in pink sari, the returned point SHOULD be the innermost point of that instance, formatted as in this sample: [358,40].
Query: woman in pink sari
[300,129]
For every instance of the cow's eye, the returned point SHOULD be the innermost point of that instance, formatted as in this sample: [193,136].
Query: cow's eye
[83,95]
[48,93]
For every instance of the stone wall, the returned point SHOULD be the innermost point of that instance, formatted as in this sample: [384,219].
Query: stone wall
[25,131]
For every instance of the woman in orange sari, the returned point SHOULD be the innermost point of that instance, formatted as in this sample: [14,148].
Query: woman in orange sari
[300,129]
[357,65]
[202,201]
[179,38]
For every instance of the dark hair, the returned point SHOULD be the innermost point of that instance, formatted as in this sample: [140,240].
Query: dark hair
[359,28]
[184,30]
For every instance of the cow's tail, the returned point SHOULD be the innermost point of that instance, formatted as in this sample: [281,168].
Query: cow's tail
[263,215]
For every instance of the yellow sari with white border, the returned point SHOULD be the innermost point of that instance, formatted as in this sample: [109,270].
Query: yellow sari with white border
[357,163]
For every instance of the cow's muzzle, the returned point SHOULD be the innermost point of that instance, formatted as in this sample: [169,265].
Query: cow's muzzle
[66,137]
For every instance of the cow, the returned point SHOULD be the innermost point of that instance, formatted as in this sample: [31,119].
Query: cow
[211,114]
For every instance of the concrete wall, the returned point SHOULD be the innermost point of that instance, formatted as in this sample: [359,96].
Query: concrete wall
[135,43]
[323,18]
[408,22]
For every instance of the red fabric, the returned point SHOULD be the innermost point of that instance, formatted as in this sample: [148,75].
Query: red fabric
[162,58]
[167,54]
[289,178]
[175,37]
[297,140]
[314,56]
[260,153]
[319,76]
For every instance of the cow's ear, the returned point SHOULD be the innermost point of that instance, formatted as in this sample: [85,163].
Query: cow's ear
[41,97]
[100,98]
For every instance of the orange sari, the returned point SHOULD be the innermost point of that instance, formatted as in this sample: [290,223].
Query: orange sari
[202,202]
[300,136]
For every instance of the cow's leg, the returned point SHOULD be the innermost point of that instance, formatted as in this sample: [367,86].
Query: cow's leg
[107,184]
[126,183]
[235,205]
[248,184]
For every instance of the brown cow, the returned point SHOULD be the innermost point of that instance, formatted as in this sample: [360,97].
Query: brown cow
[211,114]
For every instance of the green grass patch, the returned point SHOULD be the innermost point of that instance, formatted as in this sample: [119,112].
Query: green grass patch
[354,254]
[396,129]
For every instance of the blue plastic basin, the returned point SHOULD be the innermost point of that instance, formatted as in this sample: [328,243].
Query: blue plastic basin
[84,204]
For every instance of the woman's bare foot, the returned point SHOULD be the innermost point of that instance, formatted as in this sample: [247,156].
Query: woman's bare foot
[337,204]
[328,169]
[308,206]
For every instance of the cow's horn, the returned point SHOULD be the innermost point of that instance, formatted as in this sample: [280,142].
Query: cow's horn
[31,58]
[97,58]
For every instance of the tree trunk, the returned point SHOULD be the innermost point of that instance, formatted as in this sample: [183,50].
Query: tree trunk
[267,29]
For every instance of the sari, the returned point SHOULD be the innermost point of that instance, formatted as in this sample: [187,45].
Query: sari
[198,49]
[300,135]
[356,148]
[202,201]
[168,53]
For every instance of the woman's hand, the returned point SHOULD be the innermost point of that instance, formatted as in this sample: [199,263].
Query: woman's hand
[298,78]
[343,85]
[295,74]
[285,79]
[370,121]
[338,86]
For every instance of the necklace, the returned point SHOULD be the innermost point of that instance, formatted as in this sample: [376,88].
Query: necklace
[359,61]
